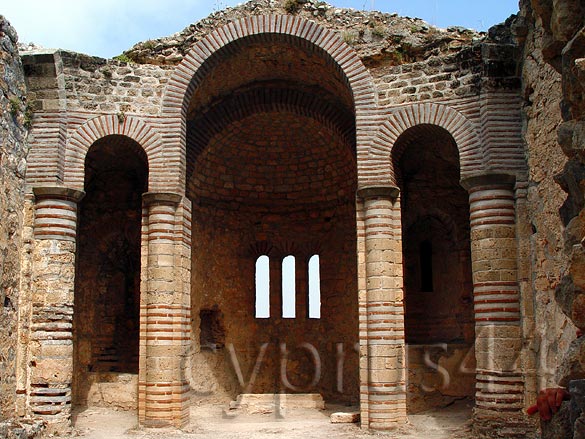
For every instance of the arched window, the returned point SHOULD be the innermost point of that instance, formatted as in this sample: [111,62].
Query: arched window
[314,288]
[263,287]
[288,287]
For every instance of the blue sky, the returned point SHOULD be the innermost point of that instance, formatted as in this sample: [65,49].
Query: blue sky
[108,27]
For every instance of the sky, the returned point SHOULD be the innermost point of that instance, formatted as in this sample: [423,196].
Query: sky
[106,28]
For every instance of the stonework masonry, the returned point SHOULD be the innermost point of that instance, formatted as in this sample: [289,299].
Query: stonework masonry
[13,153]
[420,165]
[552,33]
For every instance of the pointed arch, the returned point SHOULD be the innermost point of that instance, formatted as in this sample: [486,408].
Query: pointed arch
[94,129]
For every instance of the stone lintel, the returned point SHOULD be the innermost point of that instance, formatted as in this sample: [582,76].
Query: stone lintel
[389,192]
[161,198]
[502,179]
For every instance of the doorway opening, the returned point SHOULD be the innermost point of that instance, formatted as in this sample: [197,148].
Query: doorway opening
[107,284]
[438,289]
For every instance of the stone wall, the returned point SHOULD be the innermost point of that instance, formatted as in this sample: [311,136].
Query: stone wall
[110,86]
[554,95]
[444,76]
[14,118]
[542,97]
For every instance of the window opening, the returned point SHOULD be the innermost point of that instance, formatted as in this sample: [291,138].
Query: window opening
[288,287]
[263,287]
[314,288]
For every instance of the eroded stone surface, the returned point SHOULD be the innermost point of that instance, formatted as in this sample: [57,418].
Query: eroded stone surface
[13,151]
[558,32]
[345,418]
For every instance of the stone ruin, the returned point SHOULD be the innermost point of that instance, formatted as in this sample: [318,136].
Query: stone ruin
[421,190]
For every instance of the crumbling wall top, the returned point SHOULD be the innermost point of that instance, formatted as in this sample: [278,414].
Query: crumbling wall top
[377,37]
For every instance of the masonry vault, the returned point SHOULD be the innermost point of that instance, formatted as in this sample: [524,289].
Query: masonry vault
[271,171]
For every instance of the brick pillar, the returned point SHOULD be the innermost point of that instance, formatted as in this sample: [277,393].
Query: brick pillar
[53,278]
[165,311]
[500,383]
[302,291]
[275,274]
[382,342]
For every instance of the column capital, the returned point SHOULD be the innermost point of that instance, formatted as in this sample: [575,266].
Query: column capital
[58,192]
[474,181]
[56,213]
[161,198]
[387,191]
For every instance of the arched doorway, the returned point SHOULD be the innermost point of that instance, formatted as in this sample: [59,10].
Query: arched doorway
[107,283]
[438,289]
[271,172]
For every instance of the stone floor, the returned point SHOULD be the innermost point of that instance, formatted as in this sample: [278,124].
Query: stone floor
[210,421]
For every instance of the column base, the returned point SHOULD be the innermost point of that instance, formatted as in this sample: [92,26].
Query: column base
[386,425]
[158,423]
[491,424]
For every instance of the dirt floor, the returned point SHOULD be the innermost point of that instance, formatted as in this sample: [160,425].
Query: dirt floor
[212,421]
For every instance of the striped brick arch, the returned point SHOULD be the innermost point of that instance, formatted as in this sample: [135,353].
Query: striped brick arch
[382,153]
[299,31]
[190,71]
[99,127]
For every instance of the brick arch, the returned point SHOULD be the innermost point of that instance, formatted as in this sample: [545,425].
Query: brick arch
[382,149]
[94,129]
[187,74]
[266,100]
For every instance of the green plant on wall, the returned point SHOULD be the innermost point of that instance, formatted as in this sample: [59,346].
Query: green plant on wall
[123,58]
[149,44]
[350,37]
[398,57]
[379,31]
[14,106]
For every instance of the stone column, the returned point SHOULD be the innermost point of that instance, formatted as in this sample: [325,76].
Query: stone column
[165,311]
[498,334]
[53,280]
[382,342]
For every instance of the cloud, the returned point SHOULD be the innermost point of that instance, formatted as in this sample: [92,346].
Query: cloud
[108,27]
[103,28]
